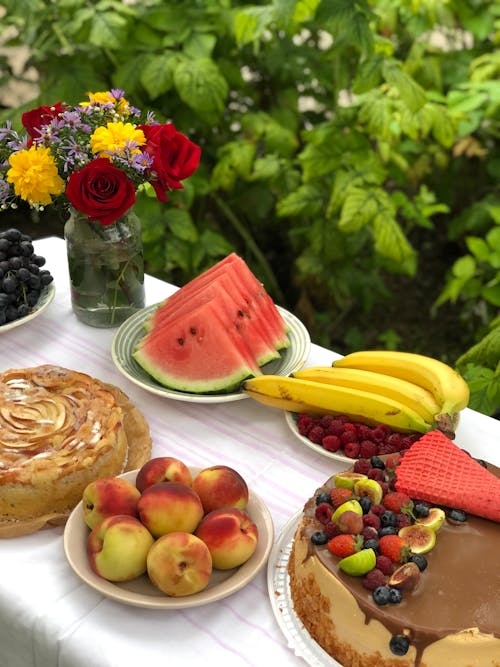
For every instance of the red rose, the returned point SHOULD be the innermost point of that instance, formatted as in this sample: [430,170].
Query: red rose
[34,120]
[175,157]
[101,191]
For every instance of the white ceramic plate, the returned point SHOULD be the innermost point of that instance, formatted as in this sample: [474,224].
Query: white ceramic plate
[278,584]
[140,592]
[132,330]
[46,297]
[290,418]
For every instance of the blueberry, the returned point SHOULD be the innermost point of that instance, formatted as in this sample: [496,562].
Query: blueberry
[457,515]
[381,595]
[319,537]
[371,543]
[420,561]
[395,595]
[323,497]
[388,530]
[376,462]
[388,518]
[365,503]
[399,645]
[421,509]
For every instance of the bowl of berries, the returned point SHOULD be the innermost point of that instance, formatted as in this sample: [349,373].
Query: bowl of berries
[26,289]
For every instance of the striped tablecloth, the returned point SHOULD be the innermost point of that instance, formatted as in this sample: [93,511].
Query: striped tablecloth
[50,618]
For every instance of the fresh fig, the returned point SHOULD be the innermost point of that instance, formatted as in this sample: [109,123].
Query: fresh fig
[358,564]
[434,519]
[370,488]
[349,505]
[405,577]
[348,479]
[420,539]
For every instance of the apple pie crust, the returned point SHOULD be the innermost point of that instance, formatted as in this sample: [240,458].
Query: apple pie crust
[59,430]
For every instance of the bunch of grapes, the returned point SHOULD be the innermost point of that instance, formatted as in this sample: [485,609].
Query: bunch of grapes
[21,279]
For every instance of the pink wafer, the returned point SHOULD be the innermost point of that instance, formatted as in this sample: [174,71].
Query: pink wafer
[438,471]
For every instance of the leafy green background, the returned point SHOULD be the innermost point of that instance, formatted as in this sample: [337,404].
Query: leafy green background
[345,142]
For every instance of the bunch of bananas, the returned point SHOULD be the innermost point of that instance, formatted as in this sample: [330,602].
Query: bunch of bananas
[408,392]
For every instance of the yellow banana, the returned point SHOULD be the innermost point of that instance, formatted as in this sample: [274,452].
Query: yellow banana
[448,387]
[408,393]
[296,395]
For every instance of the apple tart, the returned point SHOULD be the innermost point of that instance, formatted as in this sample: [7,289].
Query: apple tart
[59,430]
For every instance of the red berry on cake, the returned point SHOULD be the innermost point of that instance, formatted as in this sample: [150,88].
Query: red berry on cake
[374,579]
[398,502]
[394,547]
[345,545]
[339,495]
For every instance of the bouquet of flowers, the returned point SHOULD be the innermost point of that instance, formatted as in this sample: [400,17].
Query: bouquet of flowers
[92,156]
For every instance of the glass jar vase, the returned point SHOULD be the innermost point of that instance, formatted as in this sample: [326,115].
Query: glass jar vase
[106,268]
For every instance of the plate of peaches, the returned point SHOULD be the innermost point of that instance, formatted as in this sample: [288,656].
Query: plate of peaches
[169,536]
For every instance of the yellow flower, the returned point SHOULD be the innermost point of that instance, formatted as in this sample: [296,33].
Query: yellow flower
[34,175]
[105,98]
[114,137]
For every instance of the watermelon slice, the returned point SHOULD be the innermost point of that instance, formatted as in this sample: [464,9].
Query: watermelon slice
[246,290]
[197,352]
[241,315]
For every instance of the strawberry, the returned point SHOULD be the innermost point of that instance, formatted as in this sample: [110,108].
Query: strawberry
[345,545]
[398,502]
[394,547]
[339,495]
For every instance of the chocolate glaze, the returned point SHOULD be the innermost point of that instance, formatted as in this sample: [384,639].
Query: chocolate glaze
[459,589]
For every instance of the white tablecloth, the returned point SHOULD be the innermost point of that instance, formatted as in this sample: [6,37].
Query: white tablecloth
[50,618]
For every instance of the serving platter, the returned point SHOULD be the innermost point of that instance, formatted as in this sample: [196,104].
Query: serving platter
[46,297]
[291,420]
[132,330]
[278,585]
[140,592]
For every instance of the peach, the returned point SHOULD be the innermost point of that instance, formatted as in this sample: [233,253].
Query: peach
[230,535]
[118,546]
[179,564]
[221,486]
[166,507]
[108,496]
[163,469]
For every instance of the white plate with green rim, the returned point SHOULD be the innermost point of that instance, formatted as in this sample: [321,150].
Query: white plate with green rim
[132,330]
[46,297]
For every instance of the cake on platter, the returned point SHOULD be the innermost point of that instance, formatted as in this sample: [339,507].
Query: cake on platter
[59,430]
[419,584]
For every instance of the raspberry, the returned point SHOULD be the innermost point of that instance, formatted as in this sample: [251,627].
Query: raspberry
[325,421]
[336,427]
[374,579]
[406,443]
[348,436]
[351,449]
[376,474]
[331,529]
[316,434]
[369,533]
[367,449]
[323,512]
[331,443]
[402,520]
[304,424]
[394,440]
[385,565]
[379,434]
[362,466]
[364,432]
[371,520]
[377,509]
[349,426]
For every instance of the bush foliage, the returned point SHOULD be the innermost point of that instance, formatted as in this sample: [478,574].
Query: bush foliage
[334,134]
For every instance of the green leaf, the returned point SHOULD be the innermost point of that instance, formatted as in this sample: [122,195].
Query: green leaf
[485,353]
[411,93]
[360,207]
[199,45]
[266,168]
[391,243]
[306,199]
[201,85]
[251,23]
[181,225]
[478,247]
[235,159]
[491,294]
[305,10]
[108,30]
[157,73]
[464,267]
[368,75]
